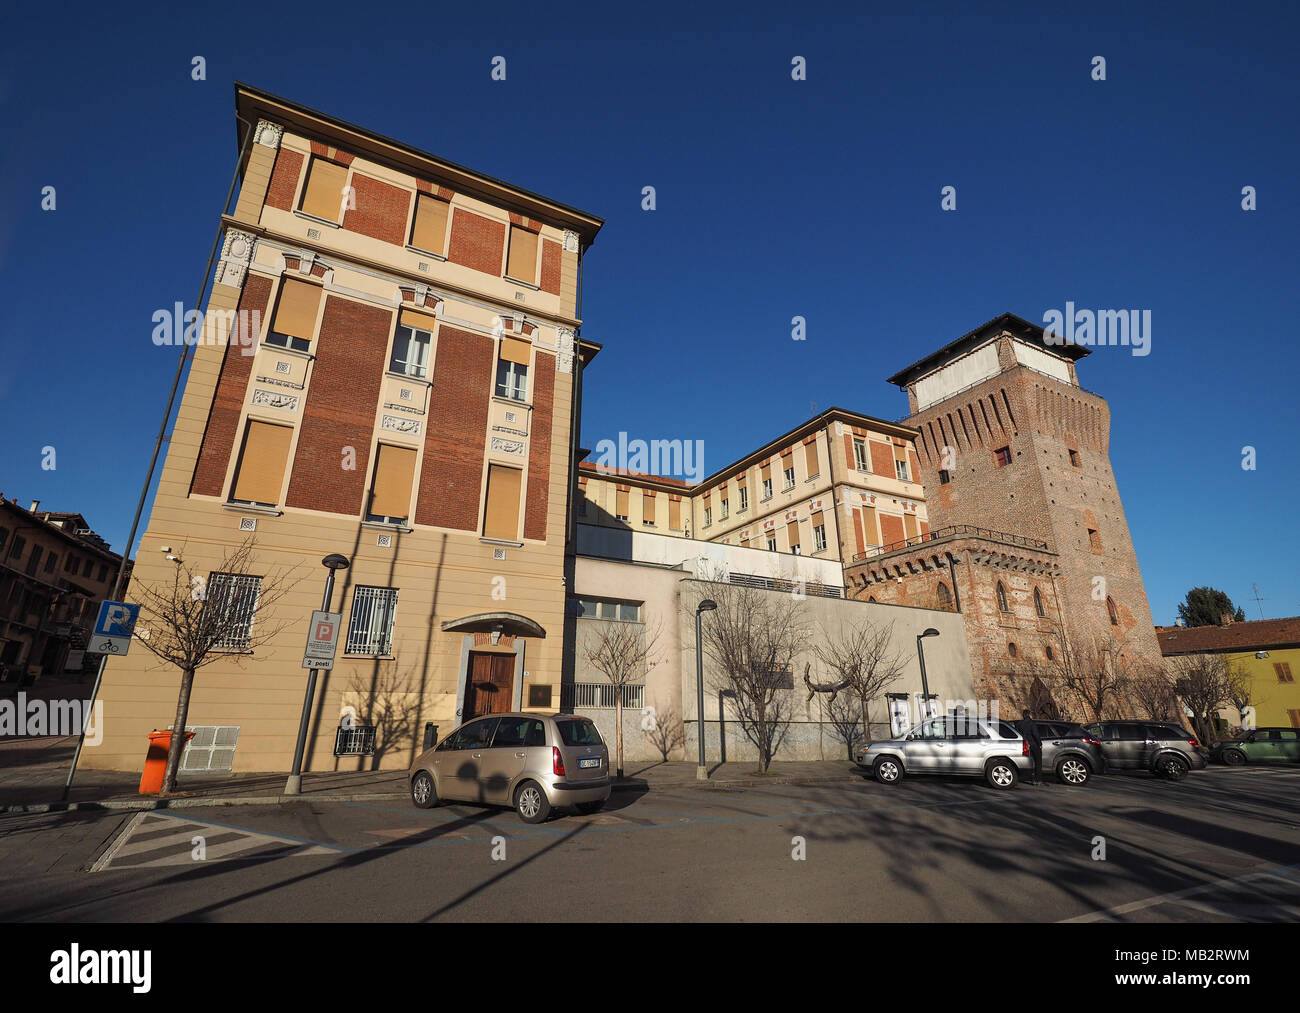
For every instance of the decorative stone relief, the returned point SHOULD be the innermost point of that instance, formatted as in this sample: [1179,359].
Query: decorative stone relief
[282,367]
[404,408]
[270,399]
[236,254]
[564,349]
[404,394]
[305,261]
[570,242]
[279,383]
[269,134]
[507,446]
[396,425]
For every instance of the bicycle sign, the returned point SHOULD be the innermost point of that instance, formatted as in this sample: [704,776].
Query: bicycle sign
[113,627]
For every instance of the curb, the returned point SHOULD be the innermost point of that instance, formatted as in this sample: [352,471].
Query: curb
[193,802]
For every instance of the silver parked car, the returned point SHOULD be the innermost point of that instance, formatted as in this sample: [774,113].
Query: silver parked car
[532,762]
[953,744]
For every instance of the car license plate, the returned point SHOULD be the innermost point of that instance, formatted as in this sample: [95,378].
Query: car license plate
[591,761]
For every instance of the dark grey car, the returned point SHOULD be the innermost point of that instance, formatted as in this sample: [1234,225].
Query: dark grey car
[1165,749]
[1071,751]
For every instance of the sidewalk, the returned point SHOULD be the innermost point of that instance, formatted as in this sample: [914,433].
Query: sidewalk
[33,771]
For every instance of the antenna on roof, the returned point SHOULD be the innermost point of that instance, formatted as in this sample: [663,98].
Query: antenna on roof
[1258,599]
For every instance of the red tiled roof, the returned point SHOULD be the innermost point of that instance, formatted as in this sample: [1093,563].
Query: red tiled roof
[636,476]
[1260,634]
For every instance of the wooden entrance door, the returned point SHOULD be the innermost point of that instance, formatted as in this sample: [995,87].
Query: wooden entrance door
[491,684]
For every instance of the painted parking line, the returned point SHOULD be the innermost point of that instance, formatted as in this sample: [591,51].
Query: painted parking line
[153,839]
[1282,873]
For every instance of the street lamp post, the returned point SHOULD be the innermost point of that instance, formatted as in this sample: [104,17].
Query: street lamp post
[293,786]
[708,605]
[925,686]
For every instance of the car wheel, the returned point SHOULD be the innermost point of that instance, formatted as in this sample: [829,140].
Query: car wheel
[424,795]
[1234,757]
[1001,774]
[1173,768]
[531,802]
[587,808]
[888,770]
[1073,770]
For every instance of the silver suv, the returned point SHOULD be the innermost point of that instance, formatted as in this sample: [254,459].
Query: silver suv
[532,762]
[953,744]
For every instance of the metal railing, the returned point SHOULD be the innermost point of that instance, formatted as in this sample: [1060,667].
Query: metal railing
[952,531]
[782,584]
[359,740]
[599,695]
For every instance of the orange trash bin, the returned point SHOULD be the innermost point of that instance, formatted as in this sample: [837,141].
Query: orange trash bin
[155,761]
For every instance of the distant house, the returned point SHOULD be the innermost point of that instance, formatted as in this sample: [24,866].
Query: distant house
[1267,650]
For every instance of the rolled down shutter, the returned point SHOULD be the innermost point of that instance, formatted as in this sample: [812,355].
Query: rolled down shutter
[817,519]
[522,262]
[622,508]
[502,514]
[675,514]
[792,532]
[323,194]
[430,229]
[810,450]
[261,465]
[900,453]
[909,527]
[767,471]
[419,321]
[869,525]
[394,473]
[514,350]
[649,510]
[295,314]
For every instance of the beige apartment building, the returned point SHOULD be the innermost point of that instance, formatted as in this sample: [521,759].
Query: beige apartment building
[398,387]
[831,488]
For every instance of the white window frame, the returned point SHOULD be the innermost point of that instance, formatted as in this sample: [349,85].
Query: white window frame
[902,471]
[708,516]
[418,366]
[861,458]
[744,499]
[767,488]
[819,537]
[372,635]
[512,380]
[789,478]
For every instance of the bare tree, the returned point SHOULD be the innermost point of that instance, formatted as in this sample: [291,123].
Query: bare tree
[1241,688]
[1202,683]
[753,639]
[621,652]
[1153,691]
[198,618]
[666,732]
[845,716]
[386,701]
[1095,672]
[863,661]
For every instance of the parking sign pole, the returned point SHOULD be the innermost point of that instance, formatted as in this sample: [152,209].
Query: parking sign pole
[293,786]
[85,721]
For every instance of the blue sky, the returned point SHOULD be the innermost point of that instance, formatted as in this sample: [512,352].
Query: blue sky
[775,199]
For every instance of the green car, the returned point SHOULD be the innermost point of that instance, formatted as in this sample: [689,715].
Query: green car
[1263,745]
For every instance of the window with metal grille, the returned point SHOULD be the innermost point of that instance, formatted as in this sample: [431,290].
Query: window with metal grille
[600,695]
[359,740]
[231,600]
[370,631]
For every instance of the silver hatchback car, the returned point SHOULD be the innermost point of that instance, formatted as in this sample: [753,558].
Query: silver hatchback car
[532,762]
[953,744]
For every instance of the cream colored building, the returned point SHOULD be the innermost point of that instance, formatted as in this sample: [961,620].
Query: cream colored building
[398,387]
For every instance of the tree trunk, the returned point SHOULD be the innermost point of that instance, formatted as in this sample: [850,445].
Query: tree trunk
[178,732]
[618,719]
[866,723]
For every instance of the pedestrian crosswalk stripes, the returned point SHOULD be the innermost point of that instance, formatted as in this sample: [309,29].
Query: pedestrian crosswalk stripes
[154,839]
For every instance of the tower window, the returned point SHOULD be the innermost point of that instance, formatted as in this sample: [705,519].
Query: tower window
[1050,654]
[944,477]
[1074,459]
[1110,608]
[944,595]
[1002,456]
[1011,648]
[1038,604]
[1002,598]
[1094,539]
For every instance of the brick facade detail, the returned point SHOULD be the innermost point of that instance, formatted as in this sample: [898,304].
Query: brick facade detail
[284,180]
[220,439]
[551,253]
[477,242]
[539,448]
[382,210]
[340,409]
[456,436]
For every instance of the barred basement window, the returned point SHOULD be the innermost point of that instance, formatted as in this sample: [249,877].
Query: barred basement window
[370,631]
[232,598]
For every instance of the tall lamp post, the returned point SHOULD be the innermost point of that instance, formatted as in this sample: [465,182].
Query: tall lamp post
[293,786]
[708,605]
[925,686]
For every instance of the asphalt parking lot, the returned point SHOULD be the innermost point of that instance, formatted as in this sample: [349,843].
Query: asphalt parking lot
[1222,845]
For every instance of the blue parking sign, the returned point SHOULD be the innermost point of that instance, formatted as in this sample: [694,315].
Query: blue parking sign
[113,627]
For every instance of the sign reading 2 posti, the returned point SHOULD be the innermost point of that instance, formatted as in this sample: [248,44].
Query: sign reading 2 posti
[322,639]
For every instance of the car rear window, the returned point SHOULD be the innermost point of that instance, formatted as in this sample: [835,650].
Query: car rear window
[579,733]
[1007,731]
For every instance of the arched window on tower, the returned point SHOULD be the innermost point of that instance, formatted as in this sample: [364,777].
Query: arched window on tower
[944,595]
[1002,598]
[1038,604]
[1110,607]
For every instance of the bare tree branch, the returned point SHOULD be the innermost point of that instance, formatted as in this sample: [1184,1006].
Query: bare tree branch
[621,652]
